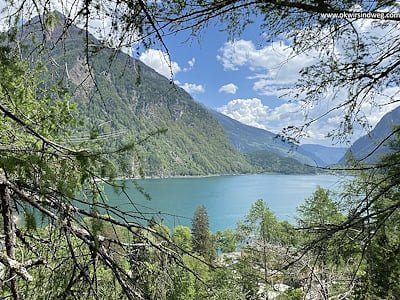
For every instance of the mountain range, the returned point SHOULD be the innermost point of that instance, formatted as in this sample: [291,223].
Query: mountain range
[323,155]
[248,139]
[121,98]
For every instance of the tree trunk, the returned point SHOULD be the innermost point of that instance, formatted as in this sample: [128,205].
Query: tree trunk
[9,232]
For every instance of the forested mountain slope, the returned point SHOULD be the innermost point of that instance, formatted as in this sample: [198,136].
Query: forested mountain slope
[247,139]
[373,146]
[123,99]
[323,154]
[265,150]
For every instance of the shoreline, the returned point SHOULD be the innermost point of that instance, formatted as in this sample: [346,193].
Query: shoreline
[122,178]
[178,176]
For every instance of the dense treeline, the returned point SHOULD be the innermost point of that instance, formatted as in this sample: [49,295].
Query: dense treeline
[270,162]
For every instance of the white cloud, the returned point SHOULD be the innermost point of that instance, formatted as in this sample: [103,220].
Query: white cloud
[274,70]
[159,61]
[276,67]
[193,88]
[191,62]
[190,65]
[229,88]
[248,111]
[254,113]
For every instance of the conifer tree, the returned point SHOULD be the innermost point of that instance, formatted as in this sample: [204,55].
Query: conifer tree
[201,235]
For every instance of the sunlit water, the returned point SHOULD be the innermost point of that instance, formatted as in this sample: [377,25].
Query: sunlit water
[227,198]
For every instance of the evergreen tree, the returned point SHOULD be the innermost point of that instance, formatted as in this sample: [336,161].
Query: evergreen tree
[201,235]
[319,210]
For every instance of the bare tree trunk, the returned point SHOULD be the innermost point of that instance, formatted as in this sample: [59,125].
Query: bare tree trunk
[9,233]
[264,246]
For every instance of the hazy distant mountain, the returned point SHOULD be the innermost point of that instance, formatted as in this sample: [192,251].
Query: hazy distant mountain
[323,155]
[366,146]
[129,99]
[268,161]
[249,139]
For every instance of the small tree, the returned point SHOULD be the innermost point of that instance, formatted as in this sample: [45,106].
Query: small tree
[260,230]
[225,240]
[319,210]
[201,235]
[316,215]
[182,237]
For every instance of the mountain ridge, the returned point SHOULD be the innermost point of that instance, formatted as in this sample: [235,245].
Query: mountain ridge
[116,93]
[371,147]
[323,154]
[247,139]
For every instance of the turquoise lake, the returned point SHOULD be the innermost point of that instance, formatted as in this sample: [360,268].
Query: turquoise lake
[227,198]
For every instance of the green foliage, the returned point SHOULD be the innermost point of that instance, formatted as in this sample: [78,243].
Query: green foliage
[35,112]
[201,236]
[383,266]
[182,237]
[265,247]
[316,217]
[184,287]
[224,284]
[259,223]
[248,277]
[271,162]
[334,254]
[67,281]
[30,220]
[380,279]
[225,241]
[319,210]
[291,294]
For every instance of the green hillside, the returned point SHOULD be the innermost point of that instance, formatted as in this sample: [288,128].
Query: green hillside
[272,162]
[372,147]
[247,139]
[264,150]
[124,100]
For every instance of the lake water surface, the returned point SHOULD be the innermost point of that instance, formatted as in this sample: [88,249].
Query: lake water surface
[227,198]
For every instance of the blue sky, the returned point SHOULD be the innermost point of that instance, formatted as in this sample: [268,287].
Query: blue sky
[208,70]
[227,75]
[247,78]
[244,78]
